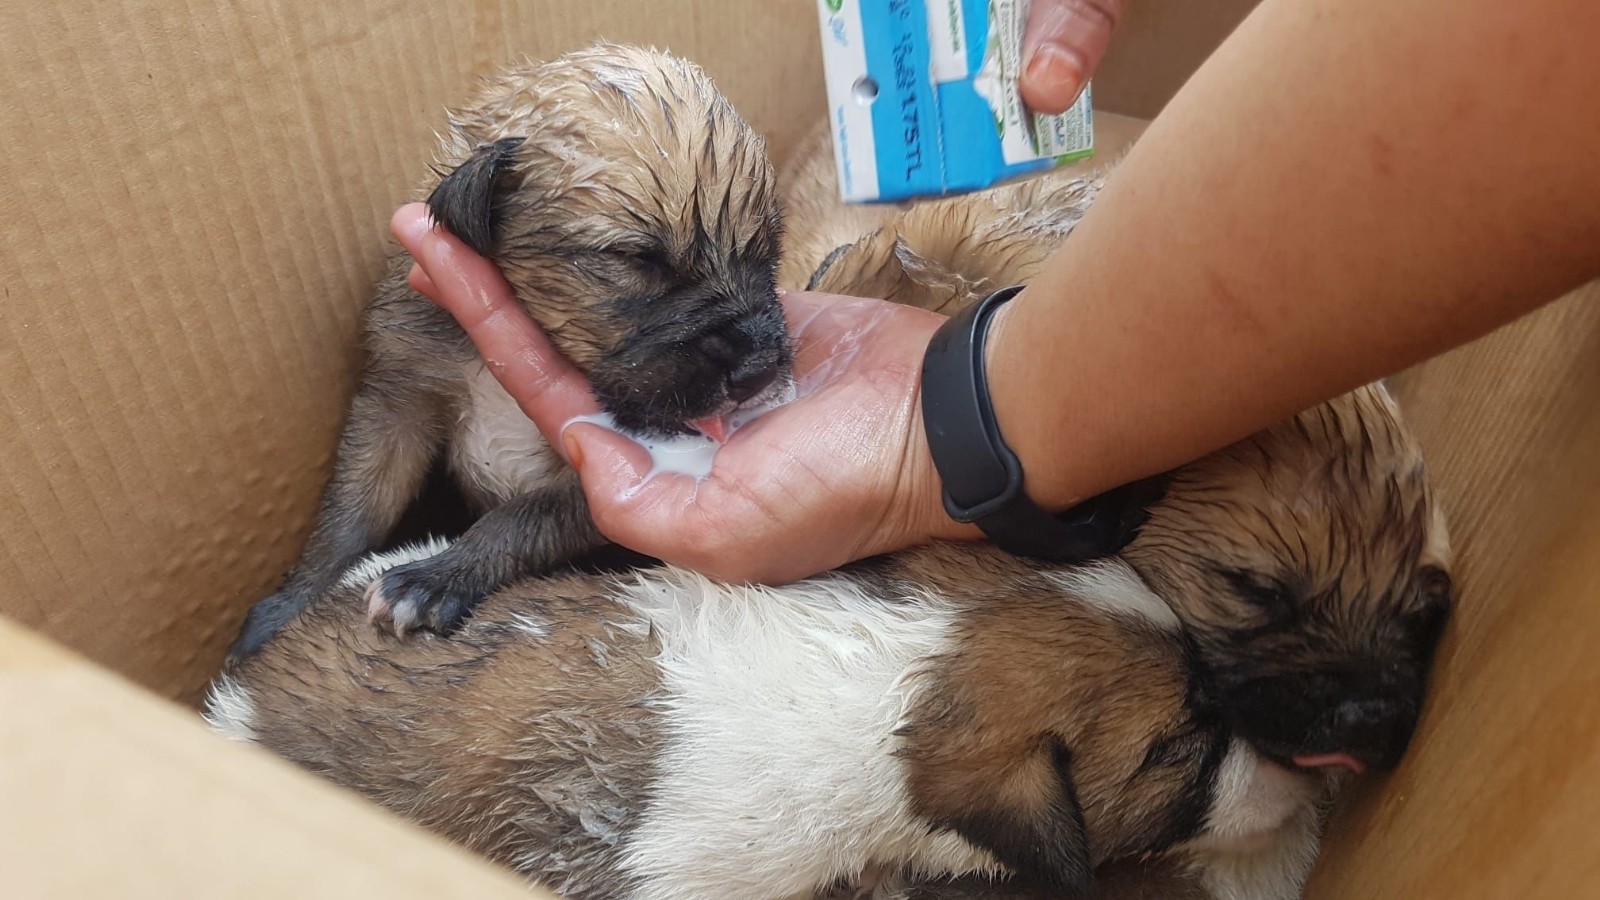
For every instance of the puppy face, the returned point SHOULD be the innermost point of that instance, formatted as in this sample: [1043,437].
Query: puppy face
[636,216]
[1310,566]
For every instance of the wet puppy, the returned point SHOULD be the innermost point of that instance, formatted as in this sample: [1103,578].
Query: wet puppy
[635,214]
[946,712]
[1313,609]
[1314,613]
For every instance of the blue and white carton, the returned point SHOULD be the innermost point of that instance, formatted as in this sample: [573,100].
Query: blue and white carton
[923,99]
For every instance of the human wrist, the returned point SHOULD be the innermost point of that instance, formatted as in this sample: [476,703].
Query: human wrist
[1018,427]
[922,493]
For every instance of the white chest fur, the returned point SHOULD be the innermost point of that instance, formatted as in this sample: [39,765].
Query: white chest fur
[778,773]
[497,451]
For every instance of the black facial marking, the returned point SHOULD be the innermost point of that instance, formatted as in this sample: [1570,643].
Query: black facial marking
[465,202]
[1277,601]
[1369,713]
[1045,846]
[698,333]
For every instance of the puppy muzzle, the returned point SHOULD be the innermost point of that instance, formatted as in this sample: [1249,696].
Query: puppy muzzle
[1327,722]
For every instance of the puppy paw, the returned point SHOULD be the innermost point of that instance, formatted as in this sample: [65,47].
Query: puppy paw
[427,594]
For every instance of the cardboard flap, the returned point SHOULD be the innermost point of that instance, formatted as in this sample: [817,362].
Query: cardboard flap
[110,790]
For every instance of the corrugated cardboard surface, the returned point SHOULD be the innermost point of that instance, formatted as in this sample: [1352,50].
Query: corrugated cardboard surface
[109,792]
[195,203]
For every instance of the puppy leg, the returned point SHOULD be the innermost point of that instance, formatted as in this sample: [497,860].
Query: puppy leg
[525,536]
[388,443]
[1276,870]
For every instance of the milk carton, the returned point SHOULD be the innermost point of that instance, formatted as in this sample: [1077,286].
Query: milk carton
[923,99]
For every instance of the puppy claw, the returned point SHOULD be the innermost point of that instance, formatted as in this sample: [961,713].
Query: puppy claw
[424,595]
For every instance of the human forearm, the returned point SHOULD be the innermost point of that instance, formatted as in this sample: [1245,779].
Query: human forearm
[1344,189]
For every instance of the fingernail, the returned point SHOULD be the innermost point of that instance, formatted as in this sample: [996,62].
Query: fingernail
[574,452]
[1053,68]
[413,223]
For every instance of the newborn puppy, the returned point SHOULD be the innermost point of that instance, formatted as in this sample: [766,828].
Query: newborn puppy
[947,712]
[1315,609]
[950,711]
[635,214]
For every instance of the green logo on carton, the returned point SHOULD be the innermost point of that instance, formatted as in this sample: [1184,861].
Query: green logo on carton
[834,5]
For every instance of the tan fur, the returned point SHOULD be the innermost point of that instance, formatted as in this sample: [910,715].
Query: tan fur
[1030,669]
[1338,499]
[533,735]
[635,215]
[625,147]
[513,746]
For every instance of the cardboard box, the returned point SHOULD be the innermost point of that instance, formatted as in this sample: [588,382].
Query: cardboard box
[196,198]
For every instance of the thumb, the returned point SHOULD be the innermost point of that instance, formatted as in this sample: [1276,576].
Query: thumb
[1061,47]
[626,496]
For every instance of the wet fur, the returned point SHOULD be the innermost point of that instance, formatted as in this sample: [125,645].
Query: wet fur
[655,735]
[636,216]
[1315,595]
[948,711]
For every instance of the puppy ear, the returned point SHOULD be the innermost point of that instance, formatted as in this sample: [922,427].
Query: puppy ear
[826,264]
[1032,823]
[466,203]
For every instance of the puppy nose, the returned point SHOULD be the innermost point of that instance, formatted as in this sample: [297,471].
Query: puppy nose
[1373,730]
[750,378]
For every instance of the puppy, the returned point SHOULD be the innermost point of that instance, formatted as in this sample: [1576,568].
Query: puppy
[1314,670]
[635,214]
[947,712]
[1315,618]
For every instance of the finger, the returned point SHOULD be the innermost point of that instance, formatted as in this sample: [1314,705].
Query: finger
[421,283]
[547,387]
[1061,47]
[629,503]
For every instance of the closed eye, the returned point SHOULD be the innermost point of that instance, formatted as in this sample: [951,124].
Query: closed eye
[1271,596]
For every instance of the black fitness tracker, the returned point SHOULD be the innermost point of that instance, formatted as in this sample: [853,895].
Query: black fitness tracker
[983,479]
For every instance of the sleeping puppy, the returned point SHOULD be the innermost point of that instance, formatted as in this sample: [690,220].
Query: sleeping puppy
[635,214]
[1314,611]
[947,712]
[1307,644]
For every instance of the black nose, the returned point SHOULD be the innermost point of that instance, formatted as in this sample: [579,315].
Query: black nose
[750,378]
[1375,730]
[1313,715]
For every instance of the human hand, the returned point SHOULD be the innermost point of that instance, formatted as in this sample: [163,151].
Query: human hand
[839,474]
[1061,47]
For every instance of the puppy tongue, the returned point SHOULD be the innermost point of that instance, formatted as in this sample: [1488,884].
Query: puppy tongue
[1326,760]
[714,427]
